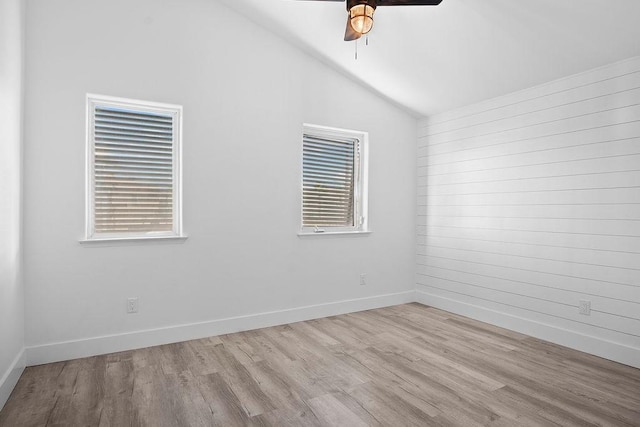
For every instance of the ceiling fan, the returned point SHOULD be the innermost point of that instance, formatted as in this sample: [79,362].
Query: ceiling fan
[360,19]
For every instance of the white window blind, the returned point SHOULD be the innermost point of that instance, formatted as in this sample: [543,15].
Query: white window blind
[331,175]
[134,169]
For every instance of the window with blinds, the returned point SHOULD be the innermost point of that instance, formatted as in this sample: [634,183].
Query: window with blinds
[134,169]
[332,179]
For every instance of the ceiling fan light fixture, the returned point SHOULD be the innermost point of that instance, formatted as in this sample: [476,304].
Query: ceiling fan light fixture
[361,16]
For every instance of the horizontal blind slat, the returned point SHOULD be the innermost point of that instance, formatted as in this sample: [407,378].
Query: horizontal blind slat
[327,158]
[103,128]
[106,138]
[131,126]
[335,140]
[125,169]
[134,162]
[108,192]
[133,114]
[145,145]
[309,207]
[128,155]
[109,150]
[309,171]
[338,191]
[103,174]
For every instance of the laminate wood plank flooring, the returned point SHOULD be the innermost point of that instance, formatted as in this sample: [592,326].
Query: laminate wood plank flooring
[407,365]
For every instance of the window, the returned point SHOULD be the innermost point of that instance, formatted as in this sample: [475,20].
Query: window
[133,168]
[333,180]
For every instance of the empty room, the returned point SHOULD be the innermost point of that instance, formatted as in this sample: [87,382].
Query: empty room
[247,213]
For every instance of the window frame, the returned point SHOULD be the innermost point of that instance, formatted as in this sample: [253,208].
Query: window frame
[360,179]
[94,100]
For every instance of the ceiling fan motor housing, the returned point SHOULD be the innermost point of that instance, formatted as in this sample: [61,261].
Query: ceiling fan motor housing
[360,14]
[351,3]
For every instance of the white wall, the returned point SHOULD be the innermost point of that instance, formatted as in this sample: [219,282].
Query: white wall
[11,287]
[245,94]
[529,203]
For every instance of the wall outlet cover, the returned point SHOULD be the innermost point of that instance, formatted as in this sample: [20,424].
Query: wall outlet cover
[363,279]
[585,307]
[132,305]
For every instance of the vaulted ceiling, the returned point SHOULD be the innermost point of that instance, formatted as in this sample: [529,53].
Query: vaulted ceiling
[432,59]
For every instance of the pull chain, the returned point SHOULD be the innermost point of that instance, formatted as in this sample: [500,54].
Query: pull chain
[366,41]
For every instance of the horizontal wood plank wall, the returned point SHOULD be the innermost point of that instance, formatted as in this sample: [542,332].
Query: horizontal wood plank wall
[530,203]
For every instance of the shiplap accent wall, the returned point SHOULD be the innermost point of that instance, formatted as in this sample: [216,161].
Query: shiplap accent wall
[530,203]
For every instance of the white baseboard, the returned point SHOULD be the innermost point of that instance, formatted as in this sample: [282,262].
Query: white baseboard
[588,344]
[56,352]
[11,377]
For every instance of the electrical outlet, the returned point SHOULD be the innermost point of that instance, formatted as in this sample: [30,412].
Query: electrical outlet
[132,305]
[363,279]
[585,308]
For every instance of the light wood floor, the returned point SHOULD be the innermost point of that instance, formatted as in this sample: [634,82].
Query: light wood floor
[397,366]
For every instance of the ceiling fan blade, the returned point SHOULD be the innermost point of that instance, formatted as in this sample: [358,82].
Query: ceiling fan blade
[408,2]
[351,34]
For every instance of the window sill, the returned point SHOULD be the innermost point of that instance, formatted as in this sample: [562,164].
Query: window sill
[359,233]
[122,241]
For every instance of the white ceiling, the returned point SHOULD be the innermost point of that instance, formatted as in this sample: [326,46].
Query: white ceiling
[431,59]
